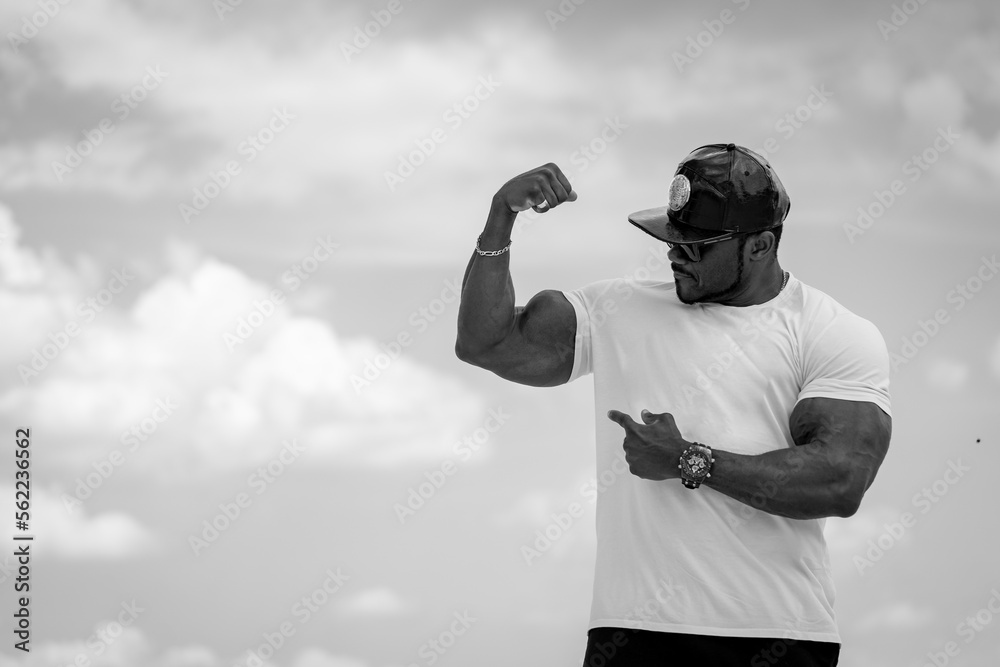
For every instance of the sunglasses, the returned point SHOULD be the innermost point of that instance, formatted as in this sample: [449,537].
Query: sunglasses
[693,250]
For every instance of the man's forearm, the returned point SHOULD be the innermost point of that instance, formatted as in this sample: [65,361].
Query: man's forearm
[798,483]
[486,311]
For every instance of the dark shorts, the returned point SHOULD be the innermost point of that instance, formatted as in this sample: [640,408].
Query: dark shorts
[617,647]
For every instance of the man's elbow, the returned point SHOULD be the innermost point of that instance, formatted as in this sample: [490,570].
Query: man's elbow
[473,355]
[463,352]
[848,498]
[847,507]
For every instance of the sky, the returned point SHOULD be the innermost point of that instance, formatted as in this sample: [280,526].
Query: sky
[232,237]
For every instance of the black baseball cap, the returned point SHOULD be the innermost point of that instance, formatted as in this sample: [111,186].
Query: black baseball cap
[717,189]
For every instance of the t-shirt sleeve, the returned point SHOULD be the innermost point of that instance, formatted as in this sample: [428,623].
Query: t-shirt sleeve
[848,360]
[582,350]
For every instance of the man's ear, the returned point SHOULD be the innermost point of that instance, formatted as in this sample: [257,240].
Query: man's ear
[761,244]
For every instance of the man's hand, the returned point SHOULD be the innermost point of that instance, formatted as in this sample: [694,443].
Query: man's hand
[653,448]
[539,189]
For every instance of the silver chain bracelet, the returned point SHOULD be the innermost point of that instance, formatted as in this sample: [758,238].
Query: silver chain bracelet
[491,253]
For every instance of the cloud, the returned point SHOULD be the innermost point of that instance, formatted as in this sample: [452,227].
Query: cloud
[936,100]
[314,657]
[994,359]
[548,513]
[245,372]
[947,374]
[19,267]
[111,645]
[849,538]
[896,617]
[72,534]
[189,656]
[381,601]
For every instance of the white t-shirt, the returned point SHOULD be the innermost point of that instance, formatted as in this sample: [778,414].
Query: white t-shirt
[672,559]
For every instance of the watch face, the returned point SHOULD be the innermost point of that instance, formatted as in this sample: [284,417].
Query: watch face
[694,465]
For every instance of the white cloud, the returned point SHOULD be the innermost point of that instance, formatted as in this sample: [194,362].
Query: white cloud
[994,360]
[947,374]
[847,538]
[73,534]
[130,647]
[189,656]
[381,601]
[529,509]
[538,511]
[896,617]
[291,377]
[19,267]
[879,80]
[314,657]
[936,100]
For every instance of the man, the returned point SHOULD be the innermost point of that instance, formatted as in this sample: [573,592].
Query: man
[762,406]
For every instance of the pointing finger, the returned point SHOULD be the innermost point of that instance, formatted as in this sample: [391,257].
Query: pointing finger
[623,420]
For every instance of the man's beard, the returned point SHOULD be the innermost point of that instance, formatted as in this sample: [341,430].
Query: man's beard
[727,292]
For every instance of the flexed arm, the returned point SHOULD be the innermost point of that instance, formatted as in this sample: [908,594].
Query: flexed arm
[532,344]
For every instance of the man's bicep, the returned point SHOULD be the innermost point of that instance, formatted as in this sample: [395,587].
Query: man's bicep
[854,434]
[540,349]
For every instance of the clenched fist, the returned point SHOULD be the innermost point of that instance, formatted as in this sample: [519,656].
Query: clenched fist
[539,189]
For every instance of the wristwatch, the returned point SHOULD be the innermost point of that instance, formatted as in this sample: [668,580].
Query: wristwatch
[696,465]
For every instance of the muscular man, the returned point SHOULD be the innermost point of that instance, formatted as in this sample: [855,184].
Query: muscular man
[746,405]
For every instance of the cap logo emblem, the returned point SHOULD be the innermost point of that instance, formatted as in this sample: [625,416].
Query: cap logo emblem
[680,192]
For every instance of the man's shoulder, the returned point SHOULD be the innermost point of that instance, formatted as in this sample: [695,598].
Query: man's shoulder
[822,312]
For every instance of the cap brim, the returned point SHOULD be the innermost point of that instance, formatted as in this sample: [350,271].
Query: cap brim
[657,223]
